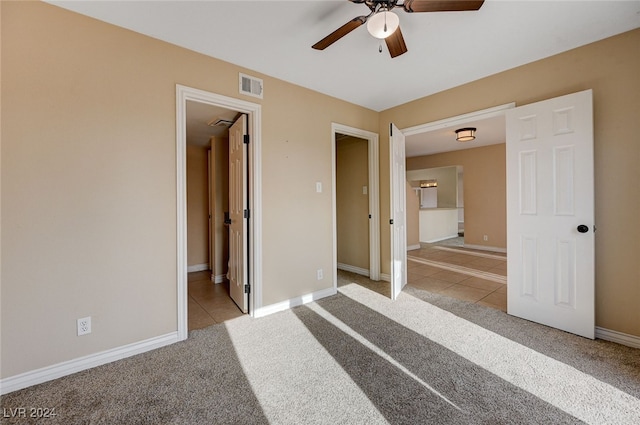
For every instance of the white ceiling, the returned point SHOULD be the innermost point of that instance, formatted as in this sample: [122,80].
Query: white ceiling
[442,138]
[446,49]
[199,117]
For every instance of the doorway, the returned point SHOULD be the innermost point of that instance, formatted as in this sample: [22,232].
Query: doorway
[369,190]
[253,266]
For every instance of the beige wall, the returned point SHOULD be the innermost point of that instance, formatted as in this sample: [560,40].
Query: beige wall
[485,190]
[609,67]
[197,206]
[447,178]
[352,206]
[89,182]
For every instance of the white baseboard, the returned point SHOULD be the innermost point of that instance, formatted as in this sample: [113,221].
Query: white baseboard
[412,247]
[485,248]
[38,376]
[218,278]
[294,302]
[197,268]
[441,239]
[353,269]
[386,277]
[618,337]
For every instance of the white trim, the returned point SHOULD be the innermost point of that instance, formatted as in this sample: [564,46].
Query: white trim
[495,111]
[197,268]
[218,278]
[618,337]
[373,152]
[385,277]
[468,252]
[485,248]
[254,111]
[413,247]
[294,302]
[38,376]
[441,239]
[353,269]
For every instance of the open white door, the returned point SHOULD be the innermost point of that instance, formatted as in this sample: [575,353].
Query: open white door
[237,208]
[398,212]
[550,218]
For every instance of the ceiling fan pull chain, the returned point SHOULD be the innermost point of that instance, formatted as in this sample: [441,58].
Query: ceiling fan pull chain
[380,48]
[385,22]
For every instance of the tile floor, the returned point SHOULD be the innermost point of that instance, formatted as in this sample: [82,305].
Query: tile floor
[475,289]
[209,303]
[463,286]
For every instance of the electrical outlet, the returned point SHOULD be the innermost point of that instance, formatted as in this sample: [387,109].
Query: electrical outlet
[320,274]
[486,238]
[84,326]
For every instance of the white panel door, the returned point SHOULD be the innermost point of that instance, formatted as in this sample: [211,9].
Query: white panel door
[550,218]
[237,206]
[398,212]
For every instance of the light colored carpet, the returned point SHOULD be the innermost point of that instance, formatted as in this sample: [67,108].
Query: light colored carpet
[358,358]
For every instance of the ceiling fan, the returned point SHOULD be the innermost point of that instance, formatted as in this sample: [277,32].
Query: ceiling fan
[383,23]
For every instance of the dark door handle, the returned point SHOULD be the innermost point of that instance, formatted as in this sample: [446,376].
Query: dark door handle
[583,229]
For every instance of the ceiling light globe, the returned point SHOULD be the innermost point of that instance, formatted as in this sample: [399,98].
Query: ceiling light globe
[466,134]
[376,24]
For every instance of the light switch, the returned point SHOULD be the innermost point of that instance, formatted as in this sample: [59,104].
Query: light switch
[319,187]
[364,190]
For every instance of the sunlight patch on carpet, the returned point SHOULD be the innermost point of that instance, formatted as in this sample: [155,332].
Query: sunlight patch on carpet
[575,392]
[362,340]
[312,386]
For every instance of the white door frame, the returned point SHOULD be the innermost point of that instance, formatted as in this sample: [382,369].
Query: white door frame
[254,111]
[374,197]
[459,120]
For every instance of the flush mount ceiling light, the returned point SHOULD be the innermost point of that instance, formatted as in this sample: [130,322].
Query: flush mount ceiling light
[383,24]
[465,134]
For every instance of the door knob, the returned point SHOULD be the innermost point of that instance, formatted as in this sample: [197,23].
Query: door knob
[583,229]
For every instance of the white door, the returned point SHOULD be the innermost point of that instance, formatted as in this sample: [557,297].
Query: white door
[550,219]
[237,207]
[398,213]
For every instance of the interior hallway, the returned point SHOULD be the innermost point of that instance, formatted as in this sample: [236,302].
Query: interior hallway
[209,303]
[444,268]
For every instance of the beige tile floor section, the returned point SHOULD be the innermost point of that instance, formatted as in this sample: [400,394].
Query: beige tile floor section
[458,285]
[450,283]
[209,303]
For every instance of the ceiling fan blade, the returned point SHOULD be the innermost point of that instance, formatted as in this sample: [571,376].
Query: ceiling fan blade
[395,43]
[339,33]
[441,5]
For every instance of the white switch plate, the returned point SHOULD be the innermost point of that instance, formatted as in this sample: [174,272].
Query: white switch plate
[364,190]
[319,187]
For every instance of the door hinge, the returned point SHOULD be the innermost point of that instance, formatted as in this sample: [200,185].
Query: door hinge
[246,139]
[247,214]
[247,289]
[391,221]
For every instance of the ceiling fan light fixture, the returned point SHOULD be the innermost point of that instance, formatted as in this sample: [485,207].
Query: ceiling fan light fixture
[383,24]
[465,134]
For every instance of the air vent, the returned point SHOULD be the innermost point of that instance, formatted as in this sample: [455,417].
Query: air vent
[220,122]
[251,86]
